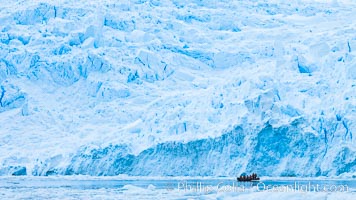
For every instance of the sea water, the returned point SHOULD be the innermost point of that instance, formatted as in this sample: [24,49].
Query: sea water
[58,187]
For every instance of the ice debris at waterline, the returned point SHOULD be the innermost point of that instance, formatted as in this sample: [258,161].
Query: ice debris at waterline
[146,87]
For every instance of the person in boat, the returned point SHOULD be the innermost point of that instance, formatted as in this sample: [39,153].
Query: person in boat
[251,177]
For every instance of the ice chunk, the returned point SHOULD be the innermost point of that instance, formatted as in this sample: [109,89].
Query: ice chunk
[11,97]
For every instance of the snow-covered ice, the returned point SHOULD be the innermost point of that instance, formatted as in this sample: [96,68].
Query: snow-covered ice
[178,88]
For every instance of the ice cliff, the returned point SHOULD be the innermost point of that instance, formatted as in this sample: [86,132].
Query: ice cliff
[202,87]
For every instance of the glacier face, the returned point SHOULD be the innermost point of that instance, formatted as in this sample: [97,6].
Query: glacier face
[148,87]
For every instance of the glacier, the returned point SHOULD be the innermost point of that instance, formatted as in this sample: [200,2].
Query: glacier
[178,88]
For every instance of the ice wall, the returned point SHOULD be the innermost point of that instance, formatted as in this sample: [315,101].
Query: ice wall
[177,87]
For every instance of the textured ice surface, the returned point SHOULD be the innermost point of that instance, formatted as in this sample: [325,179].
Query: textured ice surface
[145,87]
